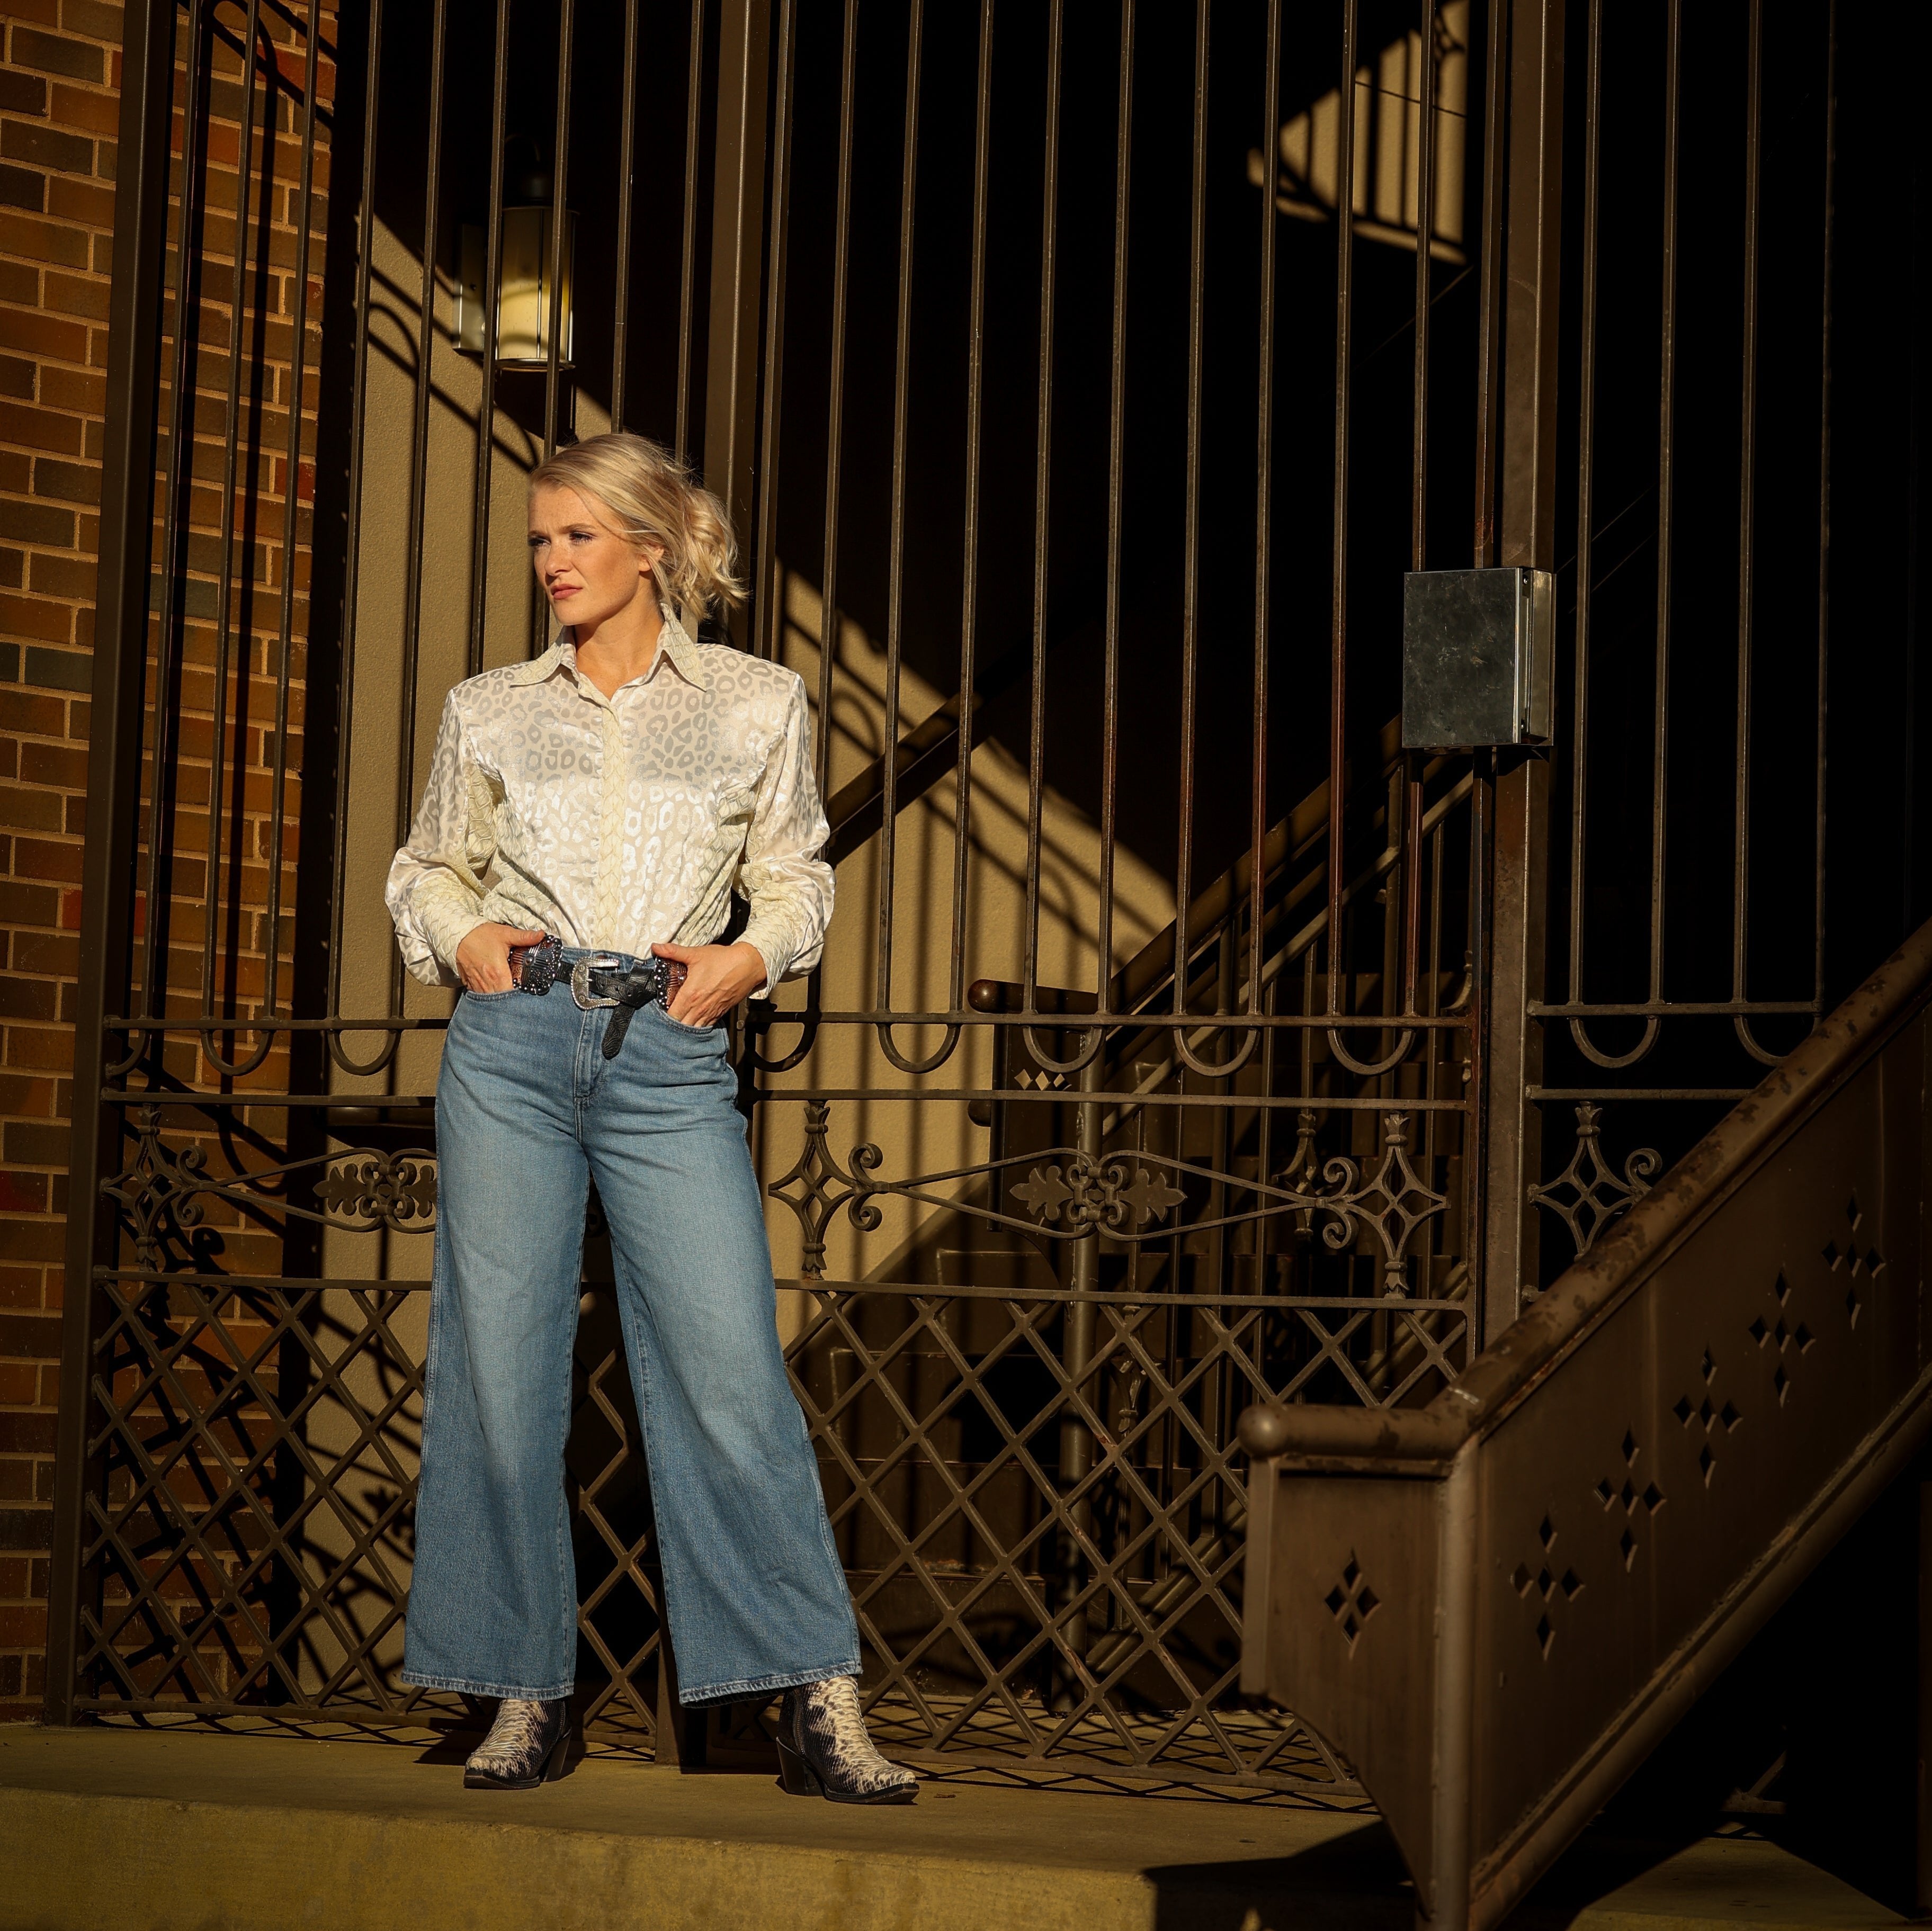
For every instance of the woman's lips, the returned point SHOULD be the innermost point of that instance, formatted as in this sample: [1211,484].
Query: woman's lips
[562,590]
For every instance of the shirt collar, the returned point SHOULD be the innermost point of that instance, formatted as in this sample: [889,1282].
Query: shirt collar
[674,642]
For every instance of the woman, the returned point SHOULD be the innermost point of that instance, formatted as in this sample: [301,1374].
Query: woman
[587,818]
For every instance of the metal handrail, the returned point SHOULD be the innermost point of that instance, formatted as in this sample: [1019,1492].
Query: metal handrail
[1495,1605]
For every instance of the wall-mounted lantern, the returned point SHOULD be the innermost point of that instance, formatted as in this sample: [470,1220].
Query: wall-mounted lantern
[526,305]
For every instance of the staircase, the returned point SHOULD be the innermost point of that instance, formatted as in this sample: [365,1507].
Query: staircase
[1496,1605]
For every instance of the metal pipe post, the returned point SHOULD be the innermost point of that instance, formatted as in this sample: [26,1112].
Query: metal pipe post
[737,253]
[113,772]
[1526,464]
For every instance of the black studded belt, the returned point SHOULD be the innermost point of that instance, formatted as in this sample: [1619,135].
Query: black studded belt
[600,979]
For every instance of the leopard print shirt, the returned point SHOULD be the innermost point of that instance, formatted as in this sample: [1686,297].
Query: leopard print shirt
[618,822]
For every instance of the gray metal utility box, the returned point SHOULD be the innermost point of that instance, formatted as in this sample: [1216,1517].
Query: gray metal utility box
[1478,647]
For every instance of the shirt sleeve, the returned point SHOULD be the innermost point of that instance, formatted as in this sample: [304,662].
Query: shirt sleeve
[435,893]
[789,885]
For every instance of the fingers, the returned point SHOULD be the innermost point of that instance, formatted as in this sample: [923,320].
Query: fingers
[663,950]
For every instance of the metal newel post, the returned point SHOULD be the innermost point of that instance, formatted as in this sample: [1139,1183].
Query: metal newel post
[1532,192]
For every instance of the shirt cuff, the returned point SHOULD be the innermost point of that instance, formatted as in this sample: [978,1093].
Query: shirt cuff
[447,918]
[770,946]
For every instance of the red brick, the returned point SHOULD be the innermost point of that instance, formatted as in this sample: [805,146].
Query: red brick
[55,954]
[48,1048]
[23,1193]
[62,764]
[71,200]
[35,858]
[69,296]
[23,93]
[91,17]
[31,333]
[25,1094]
[40,428]
[53,53]
[29,1145]
[31,1433]
[70,577]
[22,810]
[82,107]
[42,241]
[30,616]
[33,712]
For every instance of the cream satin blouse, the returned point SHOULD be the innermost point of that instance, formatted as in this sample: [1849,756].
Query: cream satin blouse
[615,822]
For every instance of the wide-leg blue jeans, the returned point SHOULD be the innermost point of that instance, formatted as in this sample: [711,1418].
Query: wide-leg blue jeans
[528,1112]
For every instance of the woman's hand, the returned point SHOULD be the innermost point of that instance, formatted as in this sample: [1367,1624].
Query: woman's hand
[483,959]
[720,976]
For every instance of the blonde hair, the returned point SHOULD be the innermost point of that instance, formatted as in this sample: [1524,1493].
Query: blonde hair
[653,498]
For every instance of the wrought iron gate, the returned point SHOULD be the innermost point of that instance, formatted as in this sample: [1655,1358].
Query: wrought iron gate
[1079,465]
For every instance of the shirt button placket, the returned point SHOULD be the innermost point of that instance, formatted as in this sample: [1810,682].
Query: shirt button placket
[609,831]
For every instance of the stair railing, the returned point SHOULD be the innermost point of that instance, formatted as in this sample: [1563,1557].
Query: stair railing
[1496,1605]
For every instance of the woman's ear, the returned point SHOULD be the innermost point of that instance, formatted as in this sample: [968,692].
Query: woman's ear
[649,557]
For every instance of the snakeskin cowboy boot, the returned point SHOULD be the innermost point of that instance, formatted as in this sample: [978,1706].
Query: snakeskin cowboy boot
[824,1750]
[527,1745]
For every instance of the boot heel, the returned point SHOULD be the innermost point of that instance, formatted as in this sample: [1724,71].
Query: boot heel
[797,1776]
[558,1759]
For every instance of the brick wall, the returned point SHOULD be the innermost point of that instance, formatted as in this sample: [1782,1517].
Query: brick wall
[59,82]
[58,109]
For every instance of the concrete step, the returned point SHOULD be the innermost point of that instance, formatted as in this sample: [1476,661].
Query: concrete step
[175,1830]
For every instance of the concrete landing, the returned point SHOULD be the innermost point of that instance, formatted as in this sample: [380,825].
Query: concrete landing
[172,1831]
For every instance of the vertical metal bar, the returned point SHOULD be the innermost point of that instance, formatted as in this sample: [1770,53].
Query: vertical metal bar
[291,497]
[627,136]
[1586,443]
[1527,452]
[969,601]
[767,592]
[365,245]
[1258,819]
[419,452]
[1117,417]
[231,445]
[1076,1438]
[1425,227]
[1190,539]
[1489,279]
[486,407]
[113,780]
[687,259]
[835,429]
[560,195]
[895,535]
[1824,499]
[1666,481]
[1043,492]
[737,240]
[1338,593]
[181,411]
[1746,508]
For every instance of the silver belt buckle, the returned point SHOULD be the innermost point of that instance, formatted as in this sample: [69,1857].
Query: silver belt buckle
[580,980]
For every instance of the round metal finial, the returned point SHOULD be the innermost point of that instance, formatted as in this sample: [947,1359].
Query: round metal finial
[1263,1428]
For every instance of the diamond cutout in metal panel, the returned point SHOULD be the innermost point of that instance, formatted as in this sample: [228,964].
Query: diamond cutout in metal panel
[1351,1603]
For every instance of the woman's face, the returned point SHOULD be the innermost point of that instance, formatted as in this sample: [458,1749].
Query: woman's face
[588,571]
